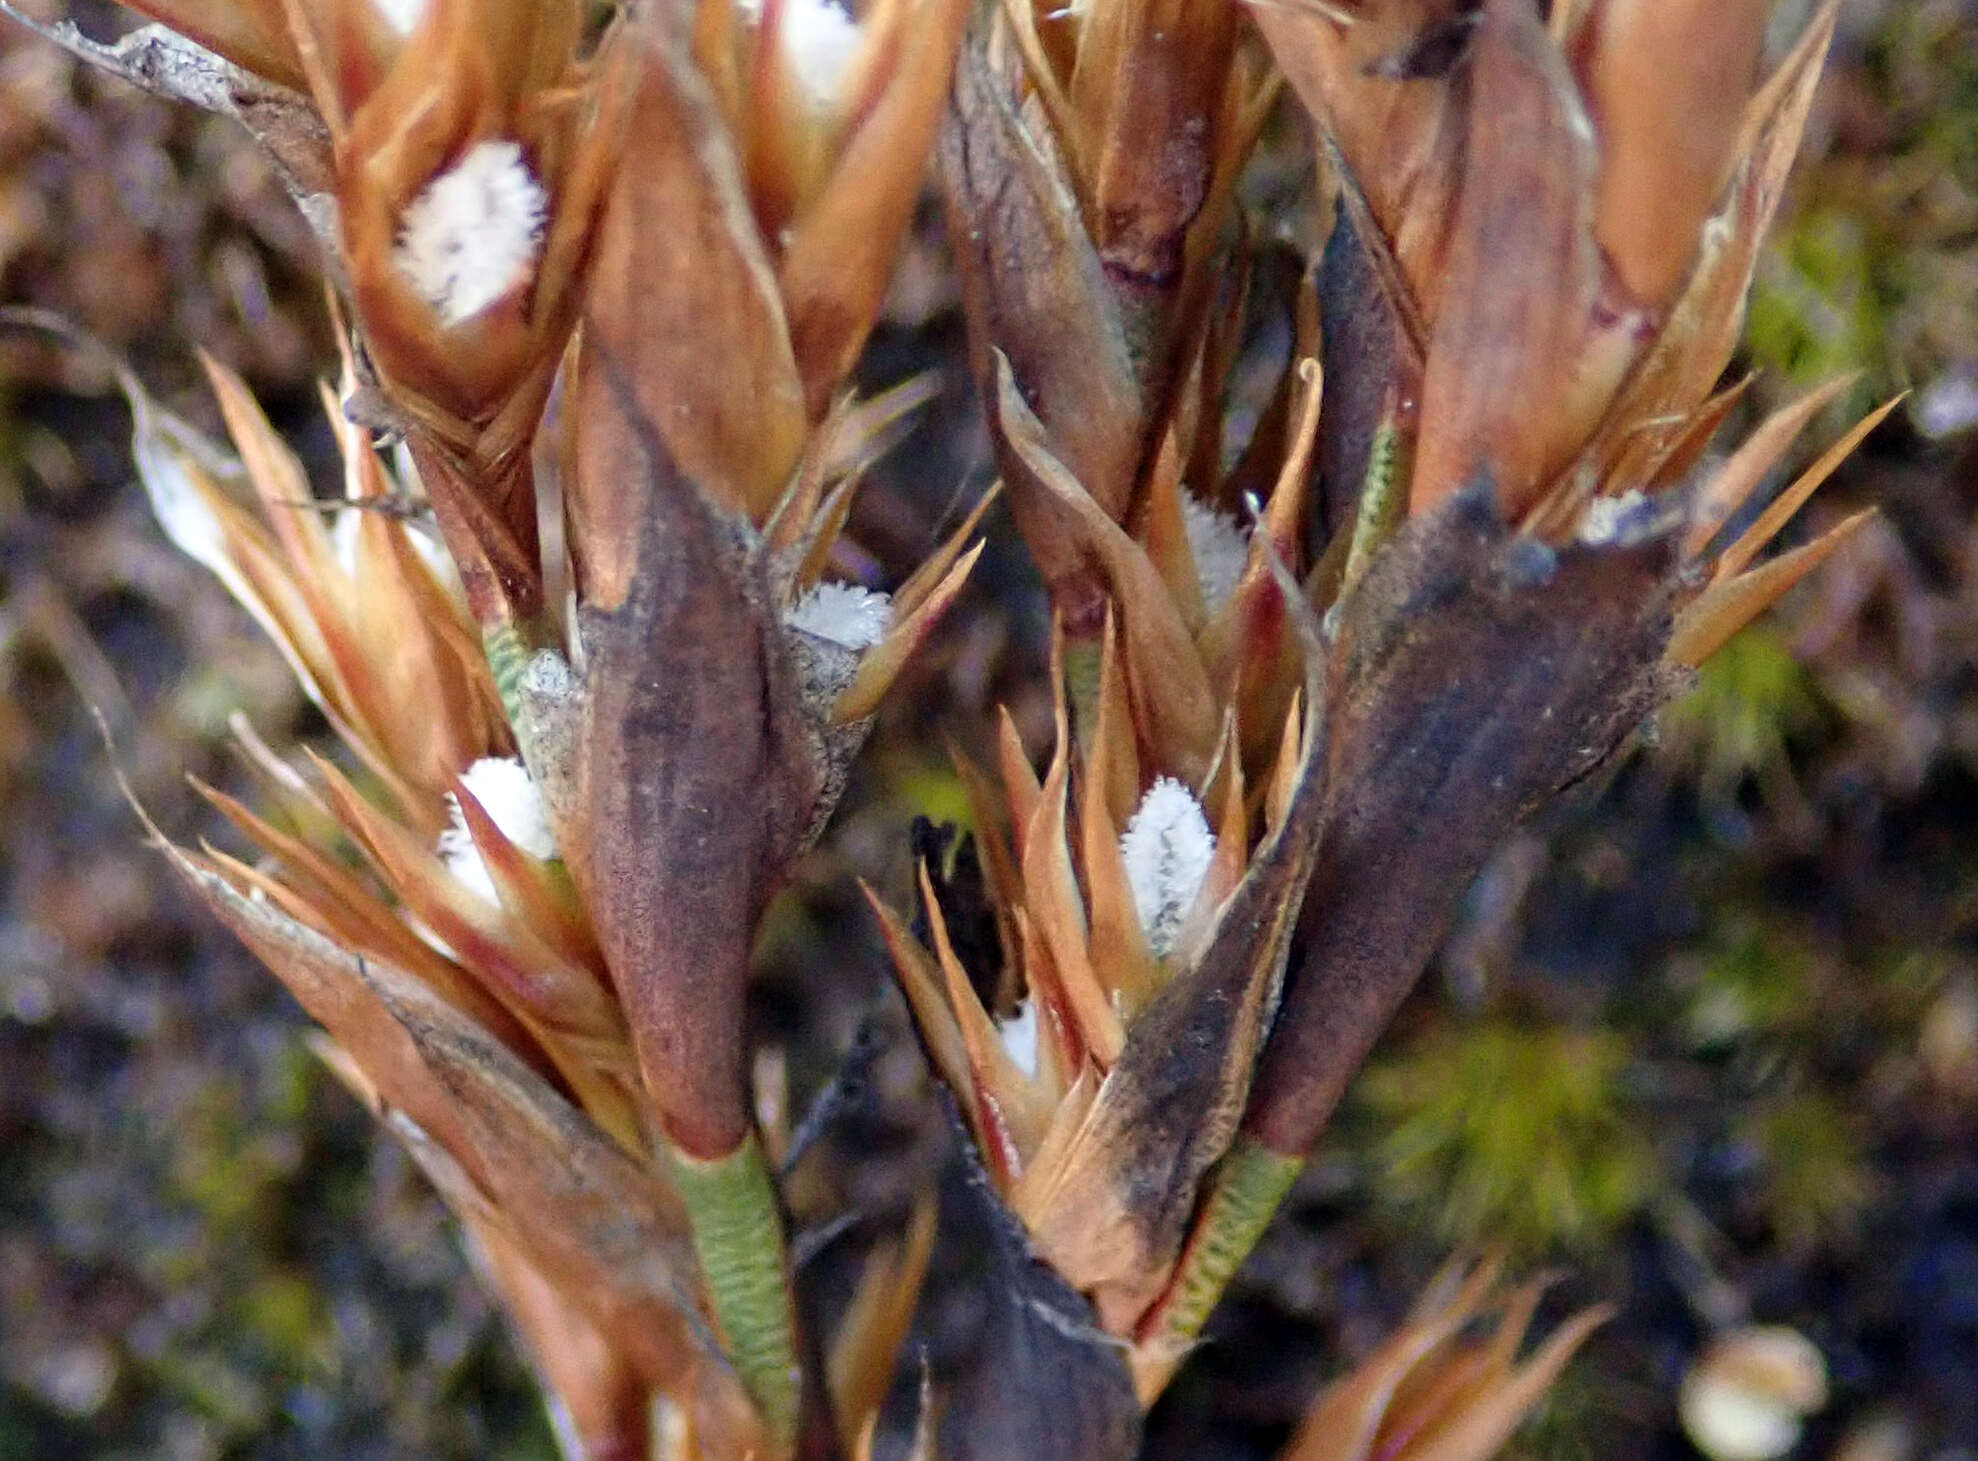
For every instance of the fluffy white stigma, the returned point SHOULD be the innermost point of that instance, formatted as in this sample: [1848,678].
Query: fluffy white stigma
[402,16]
[1019,1036]
[820,41]
[1219,546]
[474,233]
[1167,848]
[843,613]
[503,788]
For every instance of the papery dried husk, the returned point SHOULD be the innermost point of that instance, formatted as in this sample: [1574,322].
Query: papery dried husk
[1476,674]
[681,861]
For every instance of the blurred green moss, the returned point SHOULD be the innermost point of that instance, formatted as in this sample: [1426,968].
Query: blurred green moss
[1509,1133]
[1751,699]
[1755,981]
[1816,1179]
[1816,305]
[1870,270]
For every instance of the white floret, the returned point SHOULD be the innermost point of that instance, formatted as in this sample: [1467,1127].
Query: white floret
[474,233]
[1167,848]
[1219,546]
[820,40]
[512,801]
[1019,1036]
[402,16]
[843,613]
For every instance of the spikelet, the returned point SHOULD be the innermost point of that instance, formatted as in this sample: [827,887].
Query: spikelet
[1434,1388]
[1147,911]
[509,207]
[1500,516]
[1493,250]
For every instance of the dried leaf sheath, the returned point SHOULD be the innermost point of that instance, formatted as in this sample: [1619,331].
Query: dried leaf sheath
[685,829]
[1476,674]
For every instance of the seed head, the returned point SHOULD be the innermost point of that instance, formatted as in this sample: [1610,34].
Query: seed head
[512,799]
[1219,547]
[820,41]
[843,613]
[1167,848]
[474,233]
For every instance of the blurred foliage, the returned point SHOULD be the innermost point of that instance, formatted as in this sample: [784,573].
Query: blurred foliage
[1875,265]
[1507,1132]
[1816,1181]
[1750,700]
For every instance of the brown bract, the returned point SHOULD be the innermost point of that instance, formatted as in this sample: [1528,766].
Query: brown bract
[1555,213]
[695,785]
[1436,1390]
[1476,674]
[1088,161]
[397,113]
[1561,561]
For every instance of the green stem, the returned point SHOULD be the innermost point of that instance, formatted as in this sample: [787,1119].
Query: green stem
[1244,1192]
[1083,658]
[1383,501]
[738,1235]
[508,657]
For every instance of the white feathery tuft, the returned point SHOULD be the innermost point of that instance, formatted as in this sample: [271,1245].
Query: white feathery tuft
[820,41]
[402,16]
[1019,1036]
[474,233]
[1220,547]
[843,613]
[1167,848]
[514,803]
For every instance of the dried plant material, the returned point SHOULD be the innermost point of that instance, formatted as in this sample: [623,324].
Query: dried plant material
[242,75]
[1665,83]
[687,645]
[1072,1141]
[592,730]
[1435,1391]
[1712,505]
[734,422]
[1519,275]
[1576,261]
[1781,509]
[551,1182]
[473,877]
[1532,668]
[1036,1338]
[1089,257]
[839,252]
[1036,291]
[1727,606]
[866,1350]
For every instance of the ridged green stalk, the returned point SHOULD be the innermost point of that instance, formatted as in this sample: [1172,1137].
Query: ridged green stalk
[1383,502]
[1083,662]
[738,1236]
[508,657]
[1244,1192]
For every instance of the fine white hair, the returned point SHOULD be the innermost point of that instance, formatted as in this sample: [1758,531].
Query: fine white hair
[1167,848]
[1219,546]
[513,803]
[474,233]
[843,613]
